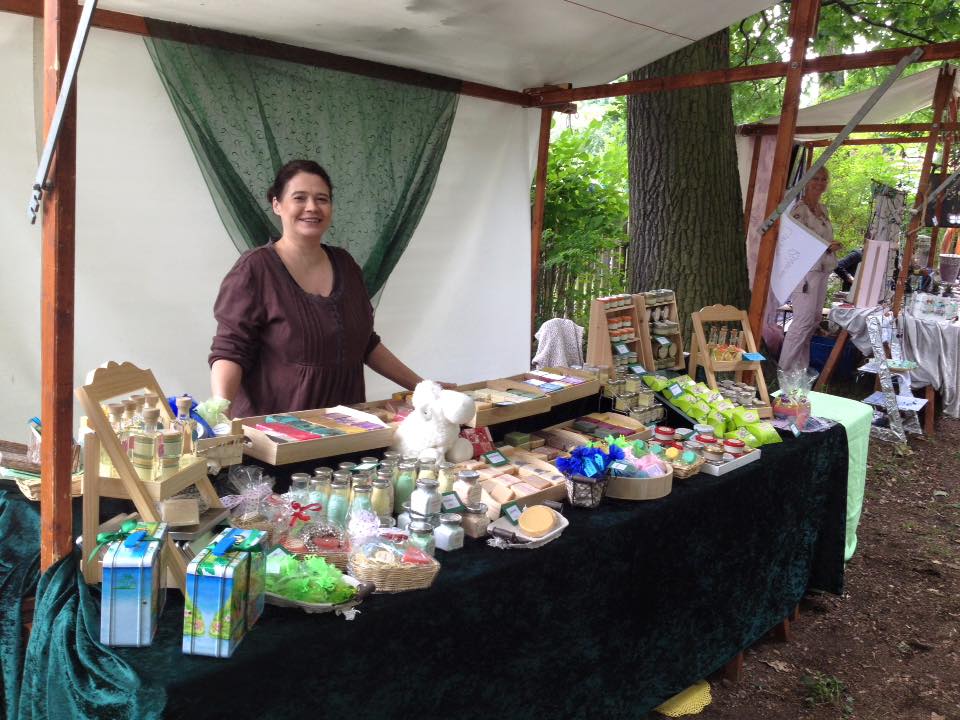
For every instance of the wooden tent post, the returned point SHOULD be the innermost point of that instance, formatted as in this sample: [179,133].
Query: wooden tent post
[941,96]
[803,15]
[944,169]
[539,204]
[754,163]
[56,311]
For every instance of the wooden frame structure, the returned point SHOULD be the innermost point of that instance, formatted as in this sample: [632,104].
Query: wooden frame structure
[700,352]
[59,203]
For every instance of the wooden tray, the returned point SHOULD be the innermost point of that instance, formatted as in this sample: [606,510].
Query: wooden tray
[731,465]
[641,431]
[591,386]
[634,488]
[263,447]
[486,416]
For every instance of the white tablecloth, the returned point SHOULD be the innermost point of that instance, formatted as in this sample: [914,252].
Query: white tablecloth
[935,347]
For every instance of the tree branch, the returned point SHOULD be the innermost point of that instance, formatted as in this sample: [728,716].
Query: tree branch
[860,17]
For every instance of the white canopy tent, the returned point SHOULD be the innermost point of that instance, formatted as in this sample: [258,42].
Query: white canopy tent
[151,249]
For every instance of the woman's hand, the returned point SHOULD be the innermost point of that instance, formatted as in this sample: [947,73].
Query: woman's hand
[834,246]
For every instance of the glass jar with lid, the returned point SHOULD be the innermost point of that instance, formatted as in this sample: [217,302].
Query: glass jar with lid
[467,487]
[339,502]
[449,536]
[406,481]
[614,387]
[625,402]
[381,495]
[475,521]
[299,487]
[446,476]
[426,498]
[348,466]
[320,488]
[421,536]
[361,500]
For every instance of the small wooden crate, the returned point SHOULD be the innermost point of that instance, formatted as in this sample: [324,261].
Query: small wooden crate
[590,386]
[263,447]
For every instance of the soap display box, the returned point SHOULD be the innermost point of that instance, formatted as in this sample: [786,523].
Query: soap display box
[224,593]
[132,599]
[561,384]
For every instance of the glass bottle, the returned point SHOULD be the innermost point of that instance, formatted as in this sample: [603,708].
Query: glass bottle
[427,468]
[138,403]
[371,461]
[186,424]
[361,500]
[299,488]
[116,424]
[449,536]
[348,466]
[446,475]
[143,445]
[150,400]
[421,536]
[406,480]
[391,456]
[129,423]
[320,486]
[425,499]
[381,498]
[169,450]
[337,505]
[403,517]
[467,487]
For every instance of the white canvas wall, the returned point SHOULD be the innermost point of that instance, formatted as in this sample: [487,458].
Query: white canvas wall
[151,250]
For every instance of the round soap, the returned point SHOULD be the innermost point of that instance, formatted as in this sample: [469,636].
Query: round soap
[537,521]
[688,458]
[672,453]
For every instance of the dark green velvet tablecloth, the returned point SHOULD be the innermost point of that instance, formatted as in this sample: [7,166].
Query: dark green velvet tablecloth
[633,603]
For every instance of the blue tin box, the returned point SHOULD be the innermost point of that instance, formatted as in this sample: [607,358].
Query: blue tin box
[224,598]
[132,598]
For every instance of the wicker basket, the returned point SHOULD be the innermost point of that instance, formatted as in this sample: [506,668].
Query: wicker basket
[585,492]
[297,546]
[392,578]
[258,523]
[640,488]
[682,472]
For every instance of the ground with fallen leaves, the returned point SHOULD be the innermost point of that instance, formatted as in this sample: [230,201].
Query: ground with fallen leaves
[890,646]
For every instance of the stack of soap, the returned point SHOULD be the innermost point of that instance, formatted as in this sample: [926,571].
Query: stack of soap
[517,439]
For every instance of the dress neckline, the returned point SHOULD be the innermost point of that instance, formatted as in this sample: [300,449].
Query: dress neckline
[334,266]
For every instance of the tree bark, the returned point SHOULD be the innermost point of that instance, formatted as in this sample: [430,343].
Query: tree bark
[686,210]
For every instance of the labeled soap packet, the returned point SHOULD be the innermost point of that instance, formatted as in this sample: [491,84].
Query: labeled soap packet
[224,592]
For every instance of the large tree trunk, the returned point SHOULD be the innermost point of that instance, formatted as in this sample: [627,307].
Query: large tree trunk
[686,211]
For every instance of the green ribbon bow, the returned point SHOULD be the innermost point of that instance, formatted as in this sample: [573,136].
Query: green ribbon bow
[222,554]
[128,528]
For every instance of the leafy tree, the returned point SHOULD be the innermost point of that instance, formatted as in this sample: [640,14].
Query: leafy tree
[585,219]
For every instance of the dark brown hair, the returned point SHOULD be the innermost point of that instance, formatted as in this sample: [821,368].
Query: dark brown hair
[286,173]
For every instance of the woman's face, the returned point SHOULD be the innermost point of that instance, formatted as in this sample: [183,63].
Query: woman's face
[305,207]
[817,185]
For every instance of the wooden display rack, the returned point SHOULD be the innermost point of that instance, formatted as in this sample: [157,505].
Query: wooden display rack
[599,343]
[700,352]
[646,331]
[103,384]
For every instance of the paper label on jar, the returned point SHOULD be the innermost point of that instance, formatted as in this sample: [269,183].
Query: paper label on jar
[451,502]
[621,349]
[511,511]
[495,458]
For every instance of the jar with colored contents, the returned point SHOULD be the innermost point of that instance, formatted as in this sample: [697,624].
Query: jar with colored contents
[339,502]
[406,482]
[449,536]
[426,499]
[381,496]
[475,521]
[446,476]
[421,536]
[664,434]
[467,487]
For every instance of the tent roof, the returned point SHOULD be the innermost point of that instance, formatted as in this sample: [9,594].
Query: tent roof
[906,95]
[506,43]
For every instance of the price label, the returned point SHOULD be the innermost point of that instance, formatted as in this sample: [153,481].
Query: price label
[363,467]
[511,511]
[675,390]
[794,430]
[753,357]
[638,369]
[495,458]
[660,340]
[619,466]
[621,349]
[451,502]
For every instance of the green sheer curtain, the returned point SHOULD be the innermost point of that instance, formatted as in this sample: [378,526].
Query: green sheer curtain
[381,142]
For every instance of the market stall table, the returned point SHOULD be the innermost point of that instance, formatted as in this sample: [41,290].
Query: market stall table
[632,604]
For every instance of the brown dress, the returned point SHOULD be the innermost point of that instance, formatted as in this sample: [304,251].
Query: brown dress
[298,351]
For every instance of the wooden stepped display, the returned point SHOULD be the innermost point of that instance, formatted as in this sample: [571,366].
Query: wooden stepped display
[701,355]
[641,309]
[115,380]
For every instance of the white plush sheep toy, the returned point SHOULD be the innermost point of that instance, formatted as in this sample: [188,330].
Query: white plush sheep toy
[435,423]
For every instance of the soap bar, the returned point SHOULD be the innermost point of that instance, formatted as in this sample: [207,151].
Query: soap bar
[178,512]
[538,482]
[517,438]
[507,480]
[548,452]
[501,493]
[537,521]
[522,489]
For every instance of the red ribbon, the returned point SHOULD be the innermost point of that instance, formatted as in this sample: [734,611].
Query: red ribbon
[300,511]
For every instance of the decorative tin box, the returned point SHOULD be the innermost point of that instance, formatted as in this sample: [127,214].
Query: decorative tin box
[224,598]
[132,598]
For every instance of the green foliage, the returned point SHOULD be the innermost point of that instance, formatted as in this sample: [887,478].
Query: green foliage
[827,690]
[853,168]
[585,216]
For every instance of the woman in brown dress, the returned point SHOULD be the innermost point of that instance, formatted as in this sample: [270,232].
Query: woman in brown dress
[294,321]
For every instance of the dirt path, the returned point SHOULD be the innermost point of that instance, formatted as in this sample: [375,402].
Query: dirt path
[890,647]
